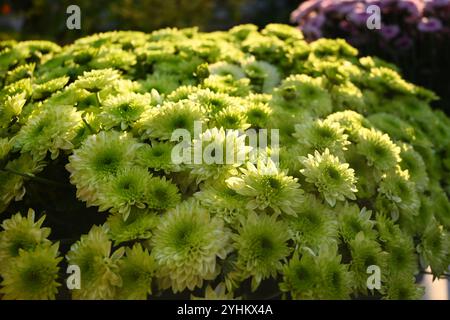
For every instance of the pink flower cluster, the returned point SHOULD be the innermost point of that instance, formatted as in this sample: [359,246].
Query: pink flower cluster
[402,21]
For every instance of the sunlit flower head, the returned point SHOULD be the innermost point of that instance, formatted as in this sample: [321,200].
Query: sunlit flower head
[332,178]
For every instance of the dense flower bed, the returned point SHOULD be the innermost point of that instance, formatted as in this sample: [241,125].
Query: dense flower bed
[362,177]
[414,34]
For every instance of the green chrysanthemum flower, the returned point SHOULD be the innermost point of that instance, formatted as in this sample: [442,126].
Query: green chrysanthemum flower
[301,93]
[96,80]
[161,194]
[186,245]
[398,188]
[258,114]
[263,75]
[136,269]
[160,122]
[99,269]
[365,252]
[313,225]
[402,258]
[351,121]
[21,233]
[403,289]
[336,280]
[433,249]
[320,135]
[52,129]
[139,225]
[126,189]
[353,220]
[157,157]
[216,152]
[44,90]
[261,245]
[98,160]
[333,179]
[13,178]
[32,275]
[267,187]
[300,277]
[227,84]
[223,201]
[224,69]
[10,108]
[214,102]
[317,276]
[378,148]
[231,118]
[161,82]
[123,110]
[412,161]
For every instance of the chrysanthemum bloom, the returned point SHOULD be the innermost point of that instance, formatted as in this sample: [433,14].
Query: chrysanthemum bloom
[365,252]
[12,180]
[225,68]
[314,224]
[96,80]
[139,225]
[333,179]
[412,161]
[213,102]
[10,108]
[353,220]
[261,245]
[160,122]
[267,187]
[301,276]
[218,151]
[21,233]
[126,189]
[301,93]
[136,270]
[157,157]
[223,201]
[258,114]
[378,149]
[351,121]
[51,129]
[402,289]
[320,135]
[161,194]
[231,118]
[186,245]
[317,276]
[43,90]
[32,275]
[98,160]
[398,188]
[433,248]
[99,268]
[123,110]
[264,76]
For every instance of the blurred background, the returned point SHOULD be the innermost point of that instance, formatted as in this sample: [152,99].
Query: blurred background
[414,34]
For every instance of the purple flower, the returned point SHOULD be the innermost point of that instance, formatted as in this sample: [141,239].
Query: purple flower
[389,32]
[304,10]
[404,42]
[438,3]
[413,7]
[429,25]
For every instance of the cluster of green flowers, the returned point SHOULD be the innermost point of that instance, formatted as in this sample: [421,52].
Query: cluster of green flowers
[363,176]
